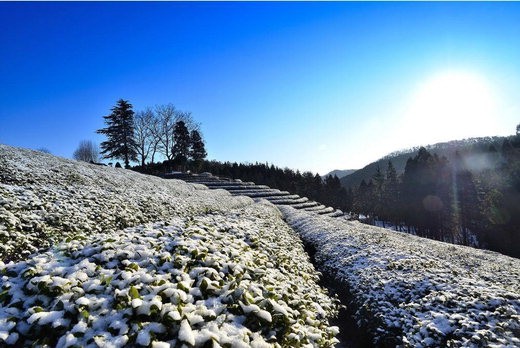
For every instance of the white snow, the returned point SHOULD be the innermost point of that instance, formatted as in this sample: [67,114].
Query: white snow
[178,271]
[186,333]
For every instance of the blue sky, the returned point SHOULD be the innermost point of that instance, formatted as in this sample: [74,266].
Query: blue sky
[310,86]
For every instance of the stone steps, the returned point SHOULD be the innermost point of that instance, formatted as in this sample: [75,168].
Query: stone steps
[277,197]
[287,200]
[260,193]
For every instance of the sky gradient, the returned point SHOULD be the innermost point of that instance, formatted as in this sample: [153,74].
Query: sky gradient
[310,86]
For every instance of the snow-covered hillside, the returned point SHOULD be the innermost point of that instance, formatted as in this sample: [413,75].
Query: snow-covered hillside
[416,292]
[97,256]
[137,260]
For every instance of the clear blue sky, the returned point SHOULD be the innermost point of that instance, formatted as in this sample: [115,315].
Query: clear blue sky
[311,86]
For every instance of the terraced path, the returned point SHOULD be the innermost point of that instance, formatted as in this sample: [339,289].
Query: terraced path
[239,188]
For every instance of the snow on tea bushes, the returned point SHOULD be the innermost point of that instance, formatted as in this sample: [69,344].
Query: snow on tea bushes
[45,199]
[237,279]
[416,292]
[216,270]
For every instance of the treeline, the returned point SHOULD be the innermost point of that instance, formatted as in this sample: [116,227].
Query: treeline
[327,191]
[142,136]
[472,200]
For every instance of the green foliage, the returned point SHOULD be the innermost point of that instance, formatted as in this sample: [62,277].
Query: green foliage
[120,141]
[197,148]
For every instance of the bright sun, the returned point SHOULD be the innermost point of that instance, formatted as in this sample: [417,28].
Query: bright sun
[449,106]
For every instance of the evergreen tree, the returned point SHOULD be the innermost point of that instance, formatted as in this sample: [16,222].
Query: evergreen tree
[418,182]
[120,141]
[331,188]
[378,180]
[197,148]
[391,195]
[317,188]
[181,149]
[466,205]
[364,198]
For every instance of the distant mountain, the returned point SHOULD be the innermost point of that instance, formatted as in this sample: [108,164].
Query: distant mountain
[340,173]
[399,158]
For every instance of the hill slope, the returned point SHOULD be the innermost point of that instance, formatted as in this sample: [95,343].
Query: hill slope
[399,158]
[192,266]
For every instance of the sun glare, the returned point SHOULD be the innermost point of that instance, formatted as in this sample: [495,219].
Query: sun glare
[449,106]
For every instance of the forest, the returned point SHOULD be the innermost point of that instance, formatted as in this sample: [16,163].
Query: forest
[472,200]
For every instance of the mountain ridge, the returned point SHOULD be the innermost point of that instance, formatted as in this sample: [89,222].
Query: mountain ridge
[400,157]
[340,173]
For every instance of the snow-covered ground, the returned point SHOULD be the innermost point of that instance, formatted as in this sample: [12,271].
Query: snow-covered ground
[45,199]
[97,256]
[416,292]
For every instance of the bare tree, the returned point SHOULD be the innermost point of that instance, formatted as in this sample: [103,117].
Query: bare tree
[143,121]
[188,120]
[44,150]
[87,151]
[162,128]
[155,134]
[166,122]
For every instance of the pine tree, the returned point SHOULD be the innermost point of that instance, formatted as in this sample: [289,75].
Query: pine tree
[120,141]
[197,148]
[378,179]
[331,188]
[466,205]
[391,195]
[181,149]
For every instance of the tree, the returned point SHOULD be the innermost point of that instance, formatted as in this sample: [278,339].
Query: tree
[164,131]
[181,149]
[163,127]
[44,150]
[120,141]
[331,188]
[466,207]
[197,148]
[391,195]
[378,179]
[143,123]
[155,133]
[363,203]
[87,151]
